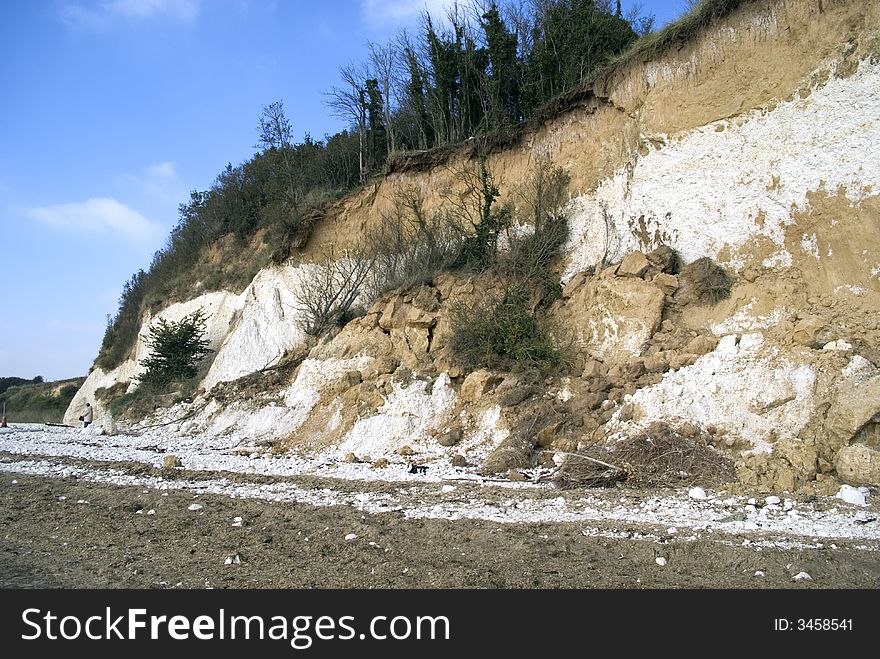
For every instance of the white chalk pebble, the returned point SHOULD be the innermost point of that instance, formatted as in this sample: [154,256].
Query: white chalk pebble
[237,521]
[351,536]
[151,511]
[697,493]
[802,576]
[660,561]
[195,506]
[759,573]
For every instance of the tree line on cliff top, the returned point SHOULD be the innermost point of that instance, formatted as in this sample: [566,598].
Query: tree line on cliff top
[484,68]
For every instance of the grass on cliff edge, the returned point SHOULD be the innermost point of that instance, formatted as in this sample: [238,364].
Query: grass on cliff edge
[677,32]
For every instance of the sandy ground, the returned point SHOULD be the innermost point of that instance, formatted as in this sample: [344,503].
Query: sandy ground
[72,531]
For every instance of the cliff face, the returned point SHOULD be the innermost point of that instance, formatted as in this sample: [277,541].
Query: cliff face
[756,143]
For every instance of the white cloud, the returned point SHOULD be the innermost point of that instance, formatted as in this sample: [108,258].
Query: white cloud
[395,13]
[162,170]
[99,215]
[100,15]
[159,181]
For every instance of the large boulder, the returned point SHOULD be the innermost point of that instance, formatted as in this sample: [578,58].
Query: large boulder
[858,465]
[612,318]
[855,401]
[478,384]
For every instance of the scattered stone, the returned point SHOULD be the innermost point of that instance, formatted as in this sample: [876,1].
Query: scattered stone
[350,536]
[237,521]
[634,264]
[620,375]
[516,475]
[697,493]
[459,460]
[478,384]
[811,331]
[351,458]
[405,450]
[839,345]
[689,430]
[655,363]
[680,361]
[381,463]
[772,501]
[613,319]
[151,511]
[446,489]
[626,412]
[594,401]
[195,506]
[450,437]
[666,283]
[855,496]
[660,561]
[515,395]
[546,435]
[171,462]
[759,573]
[594,369]
[802,576]
[701,345]
[234,559]
[348,380]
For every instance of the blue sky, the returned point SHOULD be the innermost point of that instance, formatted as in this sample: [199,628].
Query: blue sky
[113,110]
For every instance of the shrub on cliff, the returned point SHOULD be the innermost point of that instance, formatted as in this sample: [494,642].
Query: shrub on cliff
[504,327]
[703,282]
[499,331]
[176,350]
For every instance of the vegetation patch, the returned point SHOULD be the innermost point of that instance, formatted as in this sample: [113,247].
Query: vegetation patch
[502,327]
[37,401]
[703,282]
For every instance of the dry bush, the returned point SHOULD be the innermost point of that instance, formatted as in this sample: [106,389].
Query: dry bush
[703,282]
[410,247]
[659,456]
[328,291]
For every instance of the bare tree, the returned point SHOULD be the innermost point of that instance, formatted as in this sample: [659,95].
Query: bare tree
[349,103]
[329,289]
[276,133]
